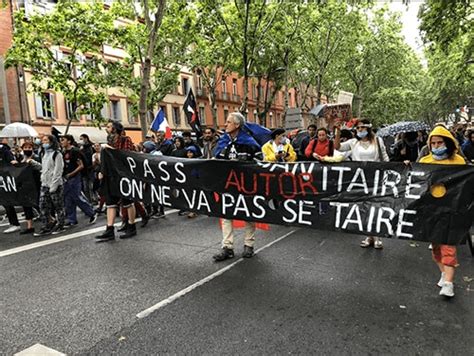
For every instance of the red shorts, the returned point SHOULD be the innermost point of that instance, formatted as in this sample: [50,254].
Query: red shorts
[445,254]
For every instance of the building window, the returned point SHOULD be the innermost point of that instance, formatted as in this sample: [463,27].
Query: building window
[234,86]
[115,113]
[202,114]
[199,82]
[254,91]
[163,108]
[185,85]
[176,116]
[224,86]
[104,112]
[226,113]
[132,118]
[70,111]
[45,106]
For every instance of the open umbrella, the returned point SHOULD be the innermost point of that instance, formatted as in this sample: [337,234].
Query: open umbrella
[318,110]
[404,126]
[17,130]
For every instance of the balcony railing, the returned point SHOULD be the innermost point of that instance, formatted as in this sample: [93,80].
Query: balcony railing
[201,92]
[229,97]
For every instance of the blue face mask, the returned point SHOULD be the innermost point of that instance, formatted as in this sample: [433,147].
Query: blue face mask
[38,141]
[439,153]
[46,145]
[362,134]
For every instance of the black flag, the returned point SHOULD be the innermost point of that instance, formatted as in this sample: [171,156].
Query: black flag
[192,114]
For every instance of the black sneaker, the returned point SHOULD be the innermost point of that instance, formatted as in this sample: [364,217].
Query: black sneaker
[93,219]
[27,231]
[159,215]
[225,254]
[130,232]
[248,252]
[45,230]
[70,224]
[145,220]
[99,211]
[181,212]
[107,235]
[58,229]
[123,227]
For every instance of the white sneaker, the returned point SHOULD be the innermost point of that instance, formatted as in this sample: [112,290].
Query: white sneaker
[447,290]
[441,280]
[11,229]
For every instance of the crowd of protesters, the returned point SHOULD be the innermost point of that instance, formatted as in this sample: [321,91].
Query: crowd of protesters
[69,173]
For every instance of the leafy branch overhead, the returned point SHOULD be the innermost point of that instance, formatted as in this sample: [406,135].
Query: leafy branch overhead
[63,51]
[316,48]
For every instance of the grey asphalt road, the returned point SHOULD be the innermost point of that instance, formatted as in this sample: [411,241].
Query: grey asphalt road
[311,292]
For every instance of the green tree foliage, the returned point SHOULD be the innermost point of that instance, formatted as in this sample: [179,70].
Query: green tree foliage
[329,28]
[248,26]
[81,74]
[211,55]
[447,29]
[156,42]
[384,71]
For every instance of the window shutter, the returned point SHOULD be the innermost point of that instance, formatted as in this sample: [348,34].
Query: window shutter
[53,106]
[38,106]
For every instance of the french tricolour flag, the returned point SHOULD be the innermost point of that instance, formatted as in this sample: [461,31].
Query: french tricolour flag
[161,124]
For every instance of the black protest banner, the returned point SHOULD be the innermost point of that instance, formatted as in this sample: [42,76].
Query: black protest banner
[17,185]
[422,202]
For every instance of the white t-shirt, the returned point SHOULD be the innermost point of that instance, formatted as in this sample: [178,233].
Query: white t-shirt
[365,151]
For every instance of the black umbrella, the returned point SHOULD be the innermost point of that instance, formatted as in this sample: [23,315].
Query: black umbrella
[404,126]
[318,110]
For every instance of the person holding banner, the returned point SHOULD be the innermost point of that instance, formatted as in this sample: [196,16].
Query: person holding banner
[443,150]
[236,145]
[116,139]
[320,146]
[7,158]
[279,148]
[364,147]
[29,158]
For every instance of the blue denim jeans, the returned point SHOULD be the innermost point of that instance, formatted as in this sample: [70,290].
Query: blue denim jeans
[73,198]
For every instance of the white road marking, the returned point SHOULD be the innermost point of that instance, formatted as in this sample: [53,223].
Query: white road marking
[183,292]
[75,235]
[39,349]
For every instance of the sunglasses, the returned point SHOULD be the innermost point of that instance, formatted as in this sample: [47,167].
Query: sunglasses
[361,127]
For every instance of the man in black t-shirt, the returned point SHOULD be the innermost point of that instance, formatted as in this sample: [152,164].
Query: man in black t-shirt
[73,197]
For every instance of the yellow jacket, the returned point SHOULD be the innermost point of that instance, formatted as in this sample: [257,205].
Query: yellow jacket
[268,151]
[454,159]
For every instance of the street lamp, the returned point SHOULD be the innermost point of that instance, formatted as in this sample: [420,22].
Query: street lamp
[271,119]
[255,115]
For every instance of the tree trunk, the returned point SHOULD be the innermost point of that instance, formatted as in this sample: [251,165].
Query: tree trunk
[318,89]
[359,104]
[142,104]
[146,68]
[245,58]
[212,101]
